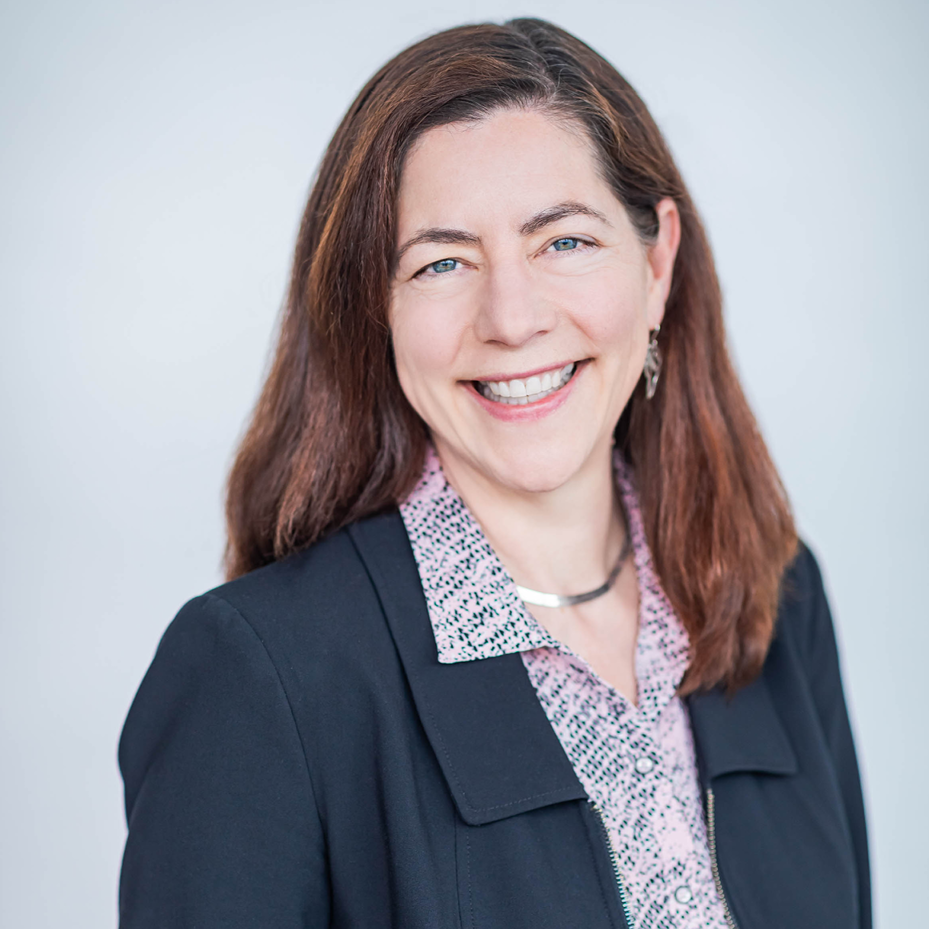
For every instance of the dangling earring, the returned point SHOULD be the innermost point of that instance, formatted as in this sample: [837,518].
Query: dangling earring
[652,364]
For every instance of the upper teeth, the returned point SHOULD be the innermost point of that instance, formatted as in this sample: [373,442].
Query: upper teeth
[527,390]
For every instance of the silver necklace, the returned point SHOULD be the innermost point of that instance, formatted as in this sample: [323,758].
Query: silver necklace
[537,598]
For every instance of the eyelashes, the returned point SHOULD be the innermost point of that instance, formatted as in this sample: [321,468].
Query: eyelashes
[567,244]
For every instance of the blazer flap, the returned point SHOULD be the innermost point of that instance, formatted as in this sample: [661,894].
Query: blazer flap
[740,733]
[493,741]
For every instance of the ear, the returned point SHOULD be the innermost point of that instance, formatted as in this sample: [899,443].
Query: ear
[661,255]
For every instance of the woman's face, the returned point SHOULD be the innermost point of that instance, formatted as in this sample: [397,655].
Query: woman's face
[522,299]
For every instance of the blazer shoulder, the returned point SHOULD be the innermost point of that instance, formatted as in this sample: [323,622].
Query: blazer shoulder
[802,576]
[321,595]
[803,613]
[333,561]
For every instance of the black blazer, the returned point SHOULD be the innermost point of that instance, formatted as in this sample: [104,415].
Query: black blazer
[297,757]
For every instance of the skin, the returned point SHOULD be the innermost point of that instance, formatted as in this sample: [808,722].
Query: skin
[511,286]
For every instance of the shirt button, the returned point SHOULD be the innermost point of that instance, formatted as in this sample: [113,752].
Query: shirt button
[644,764]
[683,894]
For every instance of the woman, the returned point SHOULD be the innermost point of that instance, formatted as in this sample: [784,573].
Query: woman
[517,631]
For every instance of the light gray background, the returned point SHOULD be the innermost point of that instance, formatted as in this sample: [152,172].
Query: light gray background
[154,160]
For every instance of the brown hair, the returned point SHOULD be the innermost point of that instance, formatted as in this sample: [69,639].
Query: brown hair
[333,439]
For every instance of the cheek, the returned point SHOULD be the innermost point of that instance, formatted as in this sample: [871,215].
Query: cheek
[425,348]
[612,315]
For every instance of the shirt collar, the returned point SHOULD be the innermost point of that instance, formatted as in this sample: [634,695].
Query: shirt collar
[473,605]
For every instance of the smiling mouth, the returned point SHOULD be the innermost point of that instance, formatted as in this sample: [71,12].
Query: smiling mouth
[521,391]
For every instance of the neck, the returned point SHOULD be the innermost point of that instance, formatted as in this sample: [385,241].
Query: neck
[562,541]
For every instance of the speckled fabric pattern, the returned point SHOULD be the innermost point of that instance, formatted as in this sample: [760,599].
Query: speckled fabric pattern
[636,763]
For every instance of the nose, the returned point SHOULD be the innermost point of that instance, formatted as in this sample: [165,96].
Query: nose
[511,309]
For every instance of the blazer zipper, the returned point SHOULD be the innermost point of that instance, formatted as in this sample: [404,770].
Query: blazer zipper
[714,864]
[617,874]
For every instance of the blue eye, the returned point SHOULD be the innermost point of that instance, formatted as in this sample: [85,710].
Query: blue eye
[440,267]
[566,244]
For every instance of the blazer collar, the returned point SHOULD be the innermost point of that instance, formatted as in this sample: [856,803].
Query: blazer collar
[493,741]
[495,745]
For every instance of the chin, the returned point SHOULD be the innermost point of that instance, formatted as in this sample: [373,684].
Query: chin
[525,471]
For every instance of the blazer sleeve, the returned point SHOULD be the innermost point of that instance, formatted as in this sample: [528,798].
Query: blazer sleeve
[822,661]
[223,825]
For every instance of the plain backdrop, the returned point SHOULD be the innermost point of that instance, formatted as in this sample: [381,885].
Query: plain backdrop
[154,161]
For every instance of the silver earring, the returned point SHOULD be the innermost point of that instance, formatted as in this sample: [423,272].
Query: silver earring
[652,364]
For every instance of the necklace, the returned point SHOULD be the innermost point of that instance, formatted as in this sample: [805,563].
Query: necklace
[537,598]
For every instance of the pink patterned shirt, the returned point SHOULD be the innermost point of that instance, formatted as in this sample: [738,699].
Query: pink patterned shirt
[636,763]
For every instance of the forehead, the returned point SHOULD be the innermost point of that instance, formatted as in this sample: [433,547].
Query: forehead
[503,166]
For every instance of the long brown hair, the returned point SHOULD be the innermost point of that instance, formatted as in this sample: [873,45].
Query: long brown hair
[333,439]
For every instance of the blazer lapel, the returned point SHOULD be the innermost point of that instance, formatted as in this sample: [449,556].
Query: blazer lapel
[493,741]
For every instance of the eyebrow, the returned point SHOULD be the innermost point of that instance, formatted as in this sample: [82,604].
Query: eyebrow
[543,218]
[560,211]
